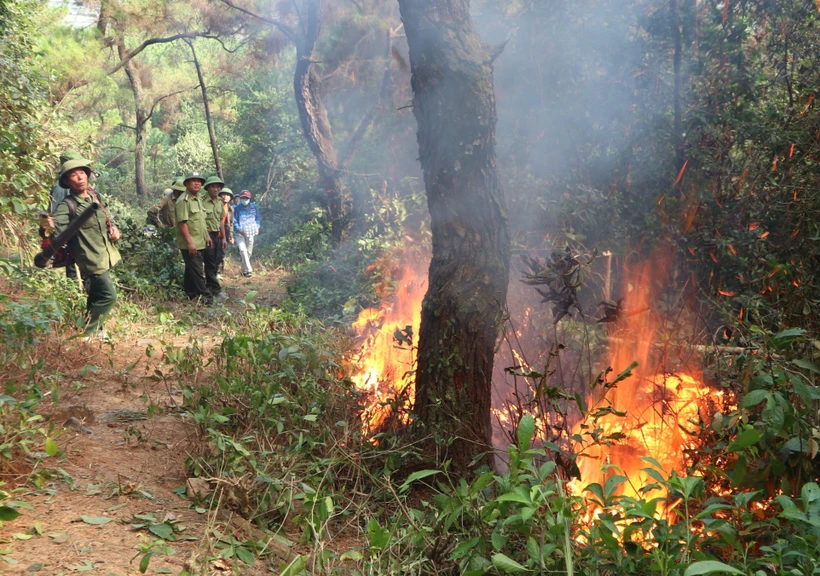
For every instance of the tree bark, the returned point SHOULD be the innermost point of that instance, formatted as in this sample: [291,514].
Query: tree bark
[677,127]
[313,116]
[454,105]
[141,119]
[207,105]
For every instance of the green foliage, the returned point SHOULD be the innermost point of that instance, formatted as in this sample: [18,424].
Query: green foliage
[29,127]
[266,411]
[769,440]
[152,265]
[335,284]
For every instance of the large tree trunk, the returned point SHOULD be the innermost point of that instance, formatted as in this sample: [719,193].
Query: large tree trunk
[207,105]
[677,127]
[454,105]
[313,115]
[141,119]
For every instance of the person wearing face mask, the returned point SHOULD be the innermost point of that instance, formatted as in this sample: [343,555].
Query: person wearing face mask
[227,197]
[246,223]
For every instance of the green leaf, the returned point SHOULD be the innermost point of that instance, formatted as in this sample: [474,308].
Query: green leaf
[709,567]
[8,514]
[507,565]
[417,476]
[612,484]
[754,398]
[786,337]
[51,447]
[807,365]
[96,520]
[797,445]
[748,437]
[526,431]
[245,555]
[164,531]
[376,535]
[514,497]
[625,374]
[463,549]
[146,560]
[807,393]
[296,565]
[354,555]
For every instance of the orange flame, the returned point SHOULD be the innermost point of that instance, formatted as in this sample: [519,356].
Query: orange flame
[385,366]
[650,414]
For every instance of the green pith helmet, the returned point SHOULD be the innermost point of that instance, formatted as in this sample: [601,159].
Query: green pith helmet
[178,185]
[194,176]
[71,165]
[213,180]
[227,191]
[70,154]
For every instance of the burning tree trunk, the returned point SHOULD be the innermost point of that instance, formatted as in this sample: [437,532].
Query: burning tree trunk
[454,105]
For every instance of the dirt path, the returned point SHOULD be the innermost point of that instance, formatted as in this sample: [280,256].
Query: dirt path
[115,470]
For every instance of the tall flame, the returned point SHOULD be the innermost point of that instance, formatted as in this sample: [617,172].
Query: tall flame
[650,414]
[385,366]
[645,415]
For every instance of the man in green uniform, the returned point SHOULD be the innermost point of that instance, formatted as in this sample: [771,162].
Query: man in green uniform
[213,219]
[227,225]
[93,246]
[192,237]
[164,213]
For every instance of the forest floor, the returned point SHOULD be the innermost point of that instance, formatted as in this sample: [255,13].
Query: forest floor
[115,471]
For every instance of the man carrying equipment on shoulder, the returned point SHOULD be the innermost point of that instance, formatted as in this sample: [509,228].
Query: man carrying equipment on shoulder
[56,196]
[213,219]
[93,247]
[192,237]
[163,214]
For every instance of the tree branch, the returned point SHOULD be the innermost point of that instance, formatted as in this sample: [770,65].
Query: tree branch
[361,130]
[161,98]
[284,28]
[127,57]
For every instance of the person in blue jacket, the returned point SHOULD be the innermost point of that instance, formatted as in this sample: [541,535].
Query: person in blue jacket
[246,221]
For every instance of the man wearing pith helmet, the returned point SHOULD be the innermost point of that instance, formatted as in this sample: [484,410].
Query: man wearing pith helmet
[216,231]
[192,237]
[164,213]
[93,246]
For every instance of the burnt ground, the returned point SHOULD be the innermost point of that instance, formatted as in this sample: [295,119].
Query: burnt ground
[78,520]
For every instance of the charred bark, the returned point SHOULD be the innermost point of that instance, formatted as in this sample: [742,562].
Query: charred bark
[207,105]
[454,105]
[313,116]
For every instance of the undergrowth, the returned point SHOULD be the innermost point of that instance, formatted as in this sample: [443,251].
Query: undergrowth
[282,445]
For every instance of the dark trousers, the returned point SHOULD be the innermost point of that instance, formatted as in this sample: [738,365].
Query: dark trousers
[70,268]
[212,256]
[194,279]
[102,295]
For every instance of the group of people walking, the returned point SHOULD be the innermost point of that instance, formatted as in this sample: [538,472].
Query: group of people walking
[205,224]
